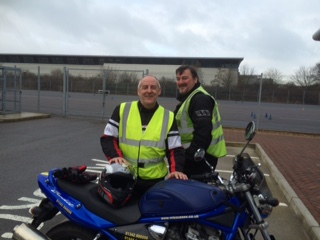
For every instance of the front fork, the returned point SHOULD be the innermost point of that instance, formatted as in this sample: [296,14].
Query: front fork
[260,223]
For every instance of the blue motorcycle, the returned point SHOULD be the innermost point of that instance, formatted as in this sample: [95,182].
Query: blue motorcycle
[206,207]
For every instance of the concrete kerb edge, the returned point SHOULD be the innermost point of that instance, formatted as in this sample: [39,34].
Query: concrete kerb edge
[309,223]
[23,116]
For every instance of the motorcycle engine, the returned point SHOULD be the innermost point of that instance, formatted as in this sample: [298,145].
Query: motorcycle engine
[185,231]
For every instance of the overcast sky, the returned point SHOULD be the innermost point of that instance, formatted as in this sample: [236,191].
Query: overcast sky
[267,34]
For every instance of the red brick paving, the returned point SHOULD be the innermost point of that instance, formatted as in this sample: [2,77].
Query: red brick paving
[297,156]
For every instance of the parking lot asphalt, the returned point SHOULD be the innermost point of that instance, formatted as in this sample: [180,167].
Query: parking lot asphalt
[292,159]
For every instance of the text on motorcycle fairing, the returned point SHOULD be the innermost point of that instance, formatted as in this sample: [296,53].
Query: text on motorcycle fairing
[133,236]
[65,200]
[64,207]
[180,217]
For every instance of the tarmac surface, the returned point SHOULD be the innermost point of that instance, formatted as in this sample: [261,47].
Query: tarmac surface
[292,158]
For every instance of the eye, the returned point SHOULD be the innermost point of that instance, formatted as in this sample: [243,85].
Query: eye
[146,87]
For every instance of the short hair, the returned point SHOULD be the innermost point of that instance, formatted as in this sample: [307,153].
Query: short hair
[193,71]
[139,84]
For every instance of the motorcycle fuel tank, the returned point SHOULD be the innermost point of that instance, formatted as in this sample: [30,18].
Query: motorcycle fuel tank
[172,197]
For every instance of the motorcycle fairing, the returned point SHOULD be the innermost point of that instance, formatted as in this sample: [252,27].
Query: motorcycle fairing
[174,197]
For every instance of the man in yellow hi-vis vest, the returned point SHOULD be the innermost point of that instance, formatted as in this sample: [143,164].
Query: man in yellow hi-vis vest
[142,133]
[199,121]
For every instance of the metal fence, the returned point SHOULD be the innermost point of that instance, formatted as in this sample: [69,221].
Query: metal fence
[64,91]
[10,90]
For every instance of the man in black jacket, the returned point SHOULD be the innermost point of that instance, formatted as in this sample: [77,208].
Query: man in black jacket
[199,121]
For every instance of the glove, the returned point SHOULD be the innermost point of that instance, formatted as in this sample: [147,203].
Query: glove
[75,174]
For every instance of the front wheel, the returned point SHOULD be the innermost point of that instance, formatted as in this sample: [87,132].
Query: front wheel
[69,231]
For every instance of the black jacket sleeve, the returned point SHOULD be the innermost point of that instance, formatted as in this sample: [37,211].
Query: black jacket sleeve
[175,151]
[110,139]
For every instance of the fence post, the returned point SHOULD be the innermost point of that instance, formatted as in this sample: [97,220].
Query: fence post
[260,90]
[20,91]
[64,107]
[104,81]
[38,107]
[15,88]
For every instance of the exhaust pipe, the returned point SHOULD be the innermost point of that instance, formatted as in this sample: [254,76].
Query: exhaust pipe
[27,232]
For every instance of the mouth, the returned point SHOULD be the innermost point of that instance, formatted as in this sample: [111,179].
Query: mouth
[181,88]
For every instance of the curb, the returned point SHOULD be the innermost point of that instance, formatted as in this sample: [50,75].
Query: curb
[310,225]
[15,117]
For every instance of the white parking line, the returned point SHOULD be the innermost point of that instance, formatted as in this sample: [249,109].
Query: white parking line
[15,218]
[99,160]
[226,171]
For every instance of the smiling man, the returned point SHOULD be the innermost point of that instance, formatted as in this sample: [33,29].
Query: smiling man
[199,122]
[141,134]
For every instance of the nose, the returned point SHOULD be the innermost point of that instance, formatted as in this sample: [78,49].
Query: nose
[179,81]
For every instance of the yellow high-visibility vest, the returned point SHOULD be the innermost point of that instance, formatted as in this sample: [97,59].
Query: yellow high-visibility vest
[217,146]
[144,149]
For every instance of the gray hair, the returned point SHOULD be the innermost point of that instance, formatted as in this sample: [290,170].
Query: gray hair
[139,84]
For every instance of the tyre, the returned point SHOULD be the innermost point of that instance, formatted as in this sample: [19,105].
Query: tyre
[69,231]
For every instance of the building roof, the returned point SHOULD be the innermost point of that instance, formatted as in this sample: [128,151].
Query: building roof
[100,60]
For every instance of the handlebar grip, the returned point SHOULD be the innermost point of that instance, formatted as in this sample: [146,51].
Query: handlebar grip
[205,176]
[271,201]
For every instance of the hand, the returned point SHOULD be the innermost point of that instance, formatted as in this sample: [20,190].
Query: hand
[178,175]
[119,160]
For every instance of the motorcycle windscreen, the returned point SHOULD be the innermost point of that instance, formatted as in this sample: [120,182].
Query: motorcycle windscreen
[176,197]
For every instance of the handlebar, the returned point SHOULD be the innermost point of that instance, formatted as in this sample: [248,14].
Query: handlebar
[271,201]
[205,176]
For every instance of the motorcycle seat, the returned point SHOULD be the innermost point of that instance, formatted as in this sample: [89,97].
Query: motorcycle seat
[88,194]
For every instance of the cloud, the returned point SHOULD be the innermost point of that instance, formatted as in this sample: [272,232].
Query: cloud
[266,34]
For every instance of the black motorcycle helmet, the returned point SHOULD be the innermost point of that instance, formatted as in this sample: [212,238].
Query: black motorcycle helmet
[116,184]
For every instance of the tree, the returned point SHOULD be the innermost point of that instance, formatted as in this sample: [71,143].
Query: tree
[317,73]
[223,78]
[305,76]
[197,66]
[168,86]
[247,74]
[274,74]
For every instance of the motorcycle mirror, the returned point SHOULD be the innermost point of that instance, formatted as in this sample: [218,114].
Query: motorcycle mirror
[199,155]
[250,131]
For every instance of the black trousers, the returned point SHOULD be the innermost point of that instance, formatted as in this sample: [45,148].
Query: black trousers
[143,185]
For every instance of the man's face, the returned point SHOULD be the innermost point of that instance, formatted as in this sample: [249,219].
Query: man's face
[185,82]
[149,91]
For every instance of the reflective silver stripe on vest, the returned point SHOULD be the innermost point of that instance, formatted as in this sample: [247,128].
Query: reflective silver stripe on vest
[186,145]
[184,123]
[146,143]
[146,161]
